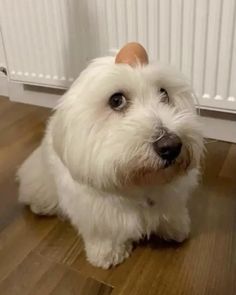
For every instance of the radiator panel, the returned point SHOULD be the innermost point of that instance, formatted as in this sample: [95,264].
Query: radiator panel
[50,42]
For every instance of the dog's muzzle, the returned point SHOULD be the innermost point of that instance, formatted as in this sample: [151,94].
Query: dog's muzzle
[168,147]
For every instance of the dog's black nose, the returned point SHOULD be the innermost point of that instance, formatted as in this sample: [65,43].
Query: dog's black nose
[168,147]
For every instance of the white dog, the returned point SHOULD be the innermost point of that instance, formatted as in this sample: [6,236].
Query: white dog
[120,156]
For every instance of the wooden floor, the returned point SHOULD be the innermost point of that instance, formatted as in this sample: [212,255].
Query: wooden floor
[44,256]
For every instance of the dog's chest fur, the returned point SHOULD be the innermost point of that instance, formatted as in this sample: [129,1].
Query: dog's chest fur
[134,214]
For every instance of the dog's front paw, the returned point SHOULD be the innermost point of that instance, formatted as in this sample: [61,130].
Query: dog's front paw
[178,235]
[175,228]
[105,254]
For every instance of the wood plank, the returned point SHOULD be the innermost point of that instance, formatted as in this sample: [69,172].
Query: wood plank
[37,275]
[215,155]
[25,275]
[49,280]
[19,238]
[74,283]
[21,128]
[14,112]
[62,244]
[5,105]
[229,167]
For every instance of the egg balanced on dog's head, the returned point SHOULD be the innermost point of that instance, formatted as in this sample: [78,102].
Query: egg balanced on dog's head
[132,53]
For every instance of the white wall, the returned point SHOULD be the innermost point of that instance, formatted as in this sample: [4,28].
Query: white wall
[2,56]
[3,78]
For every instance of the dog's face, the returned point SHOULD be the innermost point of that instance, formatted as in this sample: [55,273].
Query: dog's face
[121,126]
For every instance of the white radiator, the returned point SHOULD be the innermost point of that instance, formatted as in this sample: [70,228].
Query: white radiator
[48,42]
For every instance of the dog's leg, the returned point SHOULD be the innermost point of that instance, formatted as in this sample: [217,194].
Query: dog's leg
[175,224]
[37,188]
[106,253]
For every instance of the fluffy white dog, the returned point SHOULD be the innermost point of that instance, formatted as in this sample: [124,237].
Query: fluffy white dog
[120,156]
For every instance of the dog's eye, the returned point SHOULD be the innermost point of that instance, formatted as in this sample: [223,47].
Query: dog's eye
[164,95]
[117,101]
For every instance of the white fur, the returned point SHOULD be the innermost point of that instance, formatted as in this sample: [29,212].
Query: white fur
[85,165]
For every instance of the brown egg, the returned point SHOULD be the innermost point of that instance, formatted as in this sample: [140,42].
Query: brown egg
[132,54]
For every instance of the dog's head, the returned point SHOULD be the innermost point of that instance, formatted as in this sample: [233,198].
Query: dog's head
[122,124]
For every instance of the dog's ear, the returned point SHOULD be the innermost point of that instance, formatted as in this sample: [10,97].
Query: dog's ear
[132,54]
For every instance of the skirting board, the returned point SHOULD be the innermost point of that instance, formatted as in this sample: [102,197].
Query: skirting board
[217,125]
[36,95]
[3,85]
